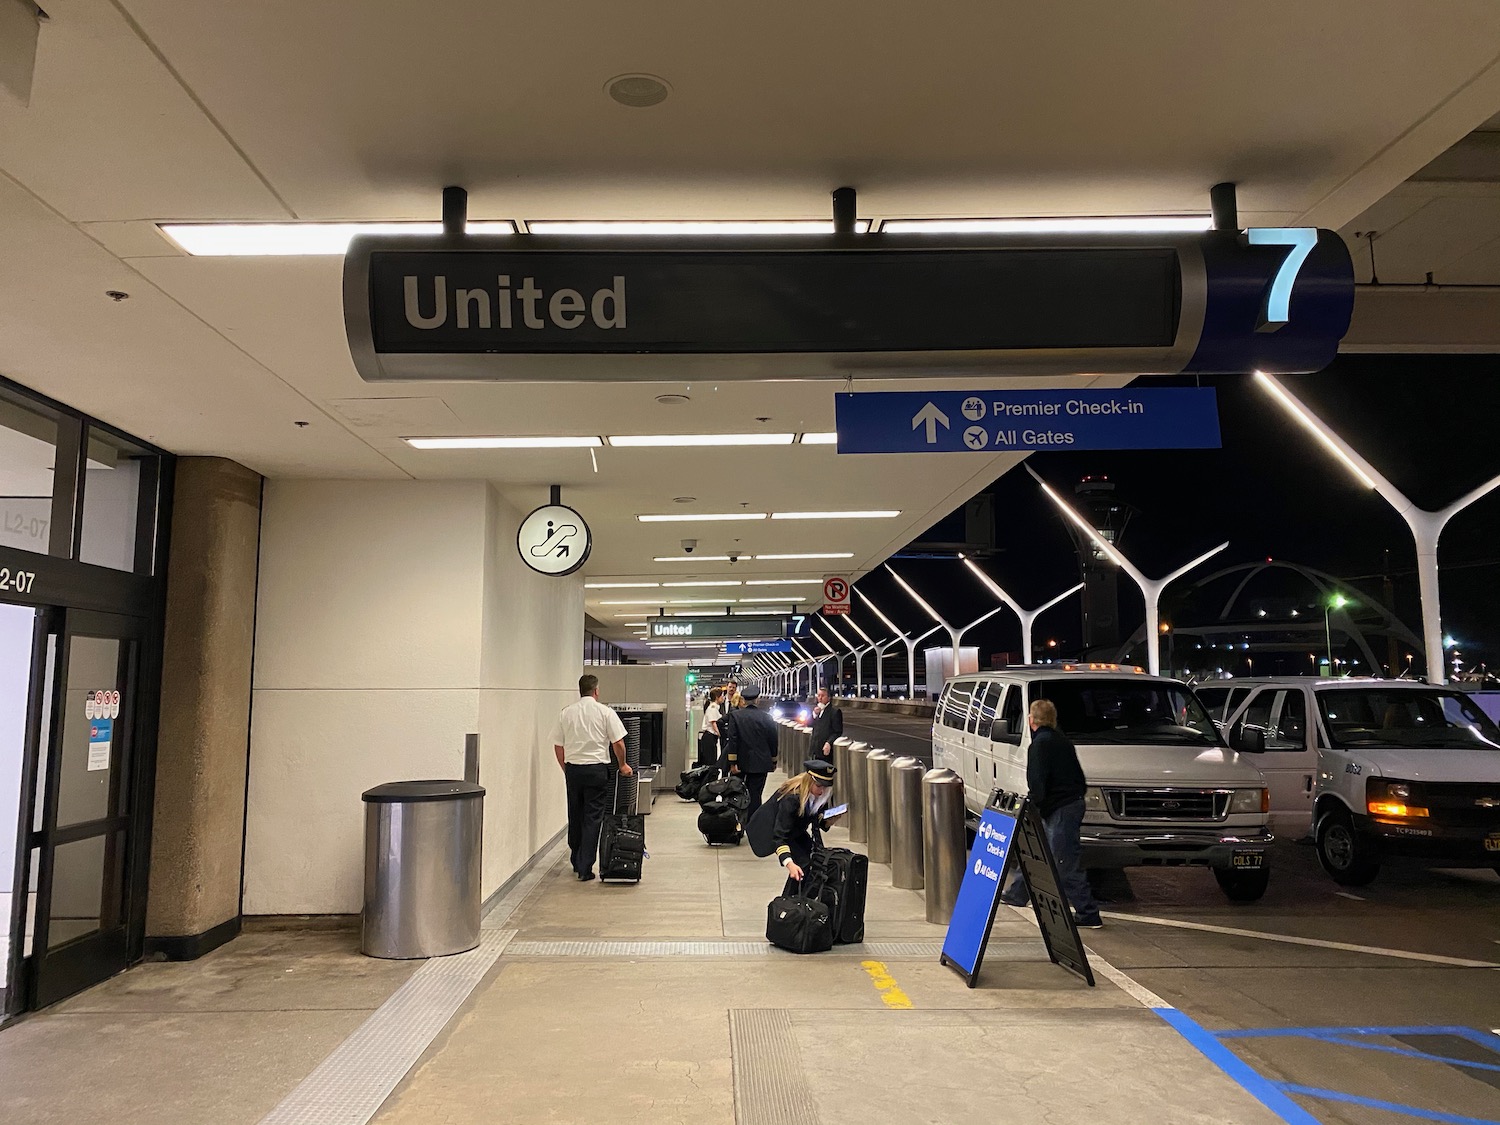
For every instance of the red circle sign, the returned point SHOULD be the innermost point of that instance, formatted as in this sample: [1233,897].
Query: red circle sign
[835,590]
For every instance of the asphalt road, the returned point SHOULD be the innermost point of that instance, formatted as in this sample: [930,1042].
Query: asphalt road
[1352,1005]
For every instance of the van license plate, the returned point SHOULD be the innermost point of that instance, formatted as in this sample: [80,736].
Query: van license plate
[1492,842]
[1247,859]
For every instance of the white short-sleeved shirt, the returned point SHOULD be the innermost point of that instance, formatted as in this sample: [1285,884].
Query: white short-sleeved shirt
[712,715]
[585,731]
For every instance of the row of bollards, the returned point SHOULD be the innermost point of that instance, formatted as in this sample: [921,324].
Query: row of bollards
[907,816]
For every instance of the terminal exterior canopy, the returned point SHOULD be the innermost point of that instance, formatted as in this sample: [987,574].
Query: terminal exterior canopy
[526,307]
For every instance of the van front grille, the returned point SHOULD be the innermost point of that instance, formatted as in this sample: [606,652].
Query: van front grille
[1168,804]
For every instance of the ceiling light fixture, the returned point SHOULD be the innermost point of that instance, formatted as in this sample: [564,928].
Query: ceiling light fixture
[784,582]
[1102,224]
[814,555]
[727,582]
[691,558]
[208,240]
[621,585]
[542,442]
[719,227]
[689,517]
[648,441]
[829,438]
[834,515]
[700,601]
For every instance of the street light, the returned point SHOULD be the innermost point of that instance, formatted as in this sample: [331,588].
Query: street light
[1338,601]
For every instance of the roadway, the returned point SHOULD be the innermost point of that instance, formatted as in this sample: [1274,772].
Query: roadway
[1358,1005]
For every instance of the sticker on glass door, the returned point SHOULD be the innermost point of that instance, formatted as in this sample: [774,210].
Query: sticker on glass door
[101,708]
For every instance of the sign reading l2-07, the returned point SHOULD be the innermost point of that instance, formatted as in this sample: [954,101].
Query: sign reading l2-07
[1000,421]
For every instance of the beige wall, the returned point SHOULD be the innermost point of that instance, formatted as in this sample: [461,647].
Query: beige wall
[198,829]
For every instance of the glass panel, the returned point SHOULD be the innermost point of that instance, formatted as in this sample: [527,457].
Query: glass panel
[28,931]
[1291,723]
[1011,720]
[28,456]
[44,742]
[78,885]
[111,499]
[987,710]
[91,725]
[16,628]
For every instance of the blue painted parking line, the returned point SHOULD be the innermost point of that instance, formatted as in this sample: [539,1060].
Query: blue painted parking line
[1482,1038]
[1407,1053]
[1262,1089]
[1376,1103]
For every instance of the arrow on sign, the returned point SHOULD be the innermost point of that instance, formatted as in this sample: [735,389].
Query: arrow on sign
[932,416]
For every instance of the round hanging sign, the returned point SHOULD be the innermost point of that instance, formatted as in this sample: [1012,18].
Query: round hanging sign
[554,540]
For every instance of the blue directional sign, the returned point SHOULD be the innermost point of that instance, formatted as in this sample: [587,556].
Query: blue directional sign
[978,894]
[745,648]
[1002,421]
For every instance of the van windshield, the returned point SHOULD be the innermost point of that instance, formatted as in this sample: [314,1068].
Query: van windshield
[1125,711]
[1409,718]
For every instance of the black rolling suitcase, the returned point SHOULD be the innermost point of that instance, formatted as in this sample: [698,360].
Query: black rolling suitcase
[720,824]
[622,839]
[799,923]
[847,874]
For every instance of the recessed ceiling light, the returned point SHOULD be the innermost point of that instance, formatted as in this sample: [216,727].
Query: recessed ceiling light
[830,438]
[689,517]
[239,239]
[638,91]
[644,441]
[1117,224]
[692,558]
[728,582]
[540,442]
[834,515]
[683,499]
[821,555]
[672,400]
[620,585]
[685,227]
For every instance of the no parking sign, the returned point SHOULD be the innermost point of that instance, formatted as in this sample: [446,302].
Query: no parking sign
[835,594]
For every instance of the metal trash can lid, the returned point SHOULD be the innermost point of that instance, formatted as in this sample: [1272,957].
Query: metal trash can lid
[403,792]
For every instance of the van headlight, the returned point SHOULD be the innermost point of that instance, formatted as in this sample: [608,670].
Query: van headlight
[1093,800]
[1250,801]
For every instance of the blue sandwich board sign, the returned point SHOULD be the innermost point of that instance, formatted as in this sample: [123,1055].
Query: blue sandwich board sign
[1004,421]
[979,894]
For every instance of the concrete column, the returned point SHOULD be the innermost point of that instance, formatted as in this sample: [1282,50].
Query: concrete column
[197,836]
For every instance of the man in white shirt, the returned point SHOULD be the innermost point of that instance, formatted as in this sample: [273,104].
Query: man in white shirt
[583,736]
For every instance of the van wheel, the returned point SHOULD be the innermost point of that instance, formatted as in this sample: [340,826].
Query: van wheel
[1348,857]
[1243,886]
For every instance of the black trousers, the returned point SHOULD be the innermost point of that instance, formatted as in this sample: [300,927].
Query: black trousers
[755,785]
[589,791]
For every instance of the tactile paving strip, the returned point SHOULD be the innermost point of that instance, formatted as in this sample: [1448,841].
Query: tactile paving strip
[349,1086]
[770,1086]
[1027,950]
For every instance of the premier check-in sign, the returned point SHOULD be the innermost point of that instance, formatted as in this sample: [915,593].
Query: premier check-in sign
[1000,421]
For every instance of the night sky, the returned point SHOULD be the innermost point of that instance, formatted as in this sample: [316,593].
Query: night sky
[1429,423]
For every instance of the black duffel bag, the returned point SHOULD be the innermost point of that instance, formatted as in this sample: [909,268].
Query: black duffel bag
[799,923]
[731,790]
[693,780]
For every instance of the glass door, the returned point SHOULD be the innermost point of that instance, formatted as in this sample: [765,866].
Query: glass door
[83,808]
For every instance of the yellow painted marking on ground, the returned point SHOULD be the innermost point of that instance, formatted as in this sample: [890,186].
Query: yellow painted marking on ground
[890,991]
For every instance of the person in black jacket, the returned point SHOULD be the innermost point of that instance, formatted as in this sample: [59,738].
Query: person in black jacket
[827,726]
[1056,786]
[799,825]
[750,746]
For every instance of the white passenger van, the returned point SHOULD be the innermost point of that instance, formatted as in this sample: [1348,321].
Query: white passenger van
[1376,768]
[1163,787]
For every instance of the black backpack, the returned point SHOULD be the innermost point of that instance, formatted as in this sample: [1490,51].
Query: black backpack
[730,790]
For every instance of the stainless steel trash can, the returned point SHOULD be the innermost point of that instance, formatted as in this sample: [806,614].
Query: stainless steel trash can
[422,875]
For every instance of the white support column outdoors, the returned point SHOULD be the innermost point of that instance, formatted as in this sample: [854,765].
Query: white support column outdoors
[1426,527]
[1028,616]
[872,646]
[910,643]
[1151,588]
[840,643]
[856,651]
[955,635]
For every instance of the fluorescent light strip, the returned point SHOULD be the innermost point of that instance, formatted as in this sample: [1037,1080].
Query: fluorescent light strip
[240,239]
[700,601]
[1119,224]
[784,582]
[539,442]
[681,227]
[653,441]
[729,582]
[816,555]
[821,439]
[684,517]
[779,601]
[834,515]
[693,558]
[621,585]
[638,601]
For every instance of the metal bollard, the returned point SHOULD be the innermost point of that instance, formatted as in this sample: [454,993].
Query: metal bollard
[841,776]
[944,842]
[878,821]
[906,823]
[857,792]
[781,750]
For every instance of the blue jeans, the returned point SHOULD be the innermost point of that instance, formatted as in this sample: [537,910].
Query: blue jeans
[1062,827]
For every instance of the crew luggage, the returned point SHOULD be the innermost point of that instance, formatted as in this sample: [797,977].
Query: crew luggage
[622,840]
[720,824]
[693,780]
[847,874]
[799,923]
[731,790]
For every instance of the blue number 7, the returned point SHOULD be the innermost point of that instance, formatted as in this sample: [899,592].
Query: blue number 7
[1301,241]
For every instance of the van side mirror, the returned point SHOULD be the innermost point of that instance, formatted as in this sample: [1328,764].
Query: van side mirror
[1248,741]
